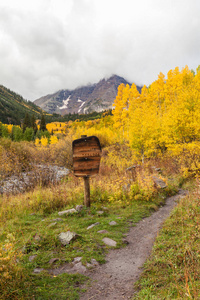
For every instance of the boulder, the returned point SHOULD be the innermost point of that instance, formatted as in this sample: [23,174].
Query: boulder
[32,258]
[112,223]
[52,224]
[38,270]
[79,207]
[77,259]
[109,242]
[159,182]
[67,212]
[53,260]
[58,220]
[66,237]
[91,226]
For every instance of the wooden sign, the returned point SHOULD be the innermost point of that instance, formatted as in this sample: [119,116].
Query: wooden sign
[86,156]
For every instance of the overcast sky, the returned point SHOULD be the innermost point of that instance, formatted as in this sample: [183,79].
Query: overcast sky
[47,45]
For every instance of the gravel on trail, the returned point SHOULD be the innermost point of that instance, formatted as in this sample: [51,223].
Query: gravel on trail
[115,279]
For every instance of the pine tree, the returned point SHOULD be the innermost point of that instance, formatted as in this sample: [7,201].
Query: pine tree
[26,122]
[43,123]
[33,124]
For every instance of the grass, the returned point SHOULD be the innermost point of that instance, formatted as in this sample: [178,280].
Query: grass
[29,228]
[173,271]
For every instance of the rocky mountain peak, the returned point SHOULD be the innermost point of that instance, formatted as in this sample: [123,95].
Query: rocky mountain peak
[94,97]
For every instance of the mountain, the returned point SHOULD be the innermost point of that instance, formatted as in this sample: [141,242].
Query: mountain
[94,97]
[13,107]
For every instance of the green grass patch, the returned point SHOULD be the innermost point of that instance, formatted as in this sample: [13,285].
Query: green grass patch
[61,287]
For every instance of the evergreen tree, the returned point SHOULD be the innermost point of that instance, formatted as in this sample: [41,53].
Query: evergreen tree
[43,123]
[26,122]
[33,124]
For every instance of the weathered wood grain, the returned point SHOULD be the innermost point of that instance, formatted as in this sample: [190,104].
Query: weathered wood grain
[86,156]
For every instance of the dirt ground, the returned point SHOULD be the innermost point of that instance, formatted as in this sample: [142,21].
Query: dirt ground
[115,279]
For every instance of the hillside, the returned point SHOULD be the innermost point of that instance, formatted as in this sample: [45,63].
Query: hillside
[13,107]
[95,97]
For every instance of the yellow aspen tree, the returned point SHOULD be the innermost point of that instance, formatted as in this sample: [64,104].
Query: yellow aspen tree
[124,113]
[53,140]
[37,141]
[10,126]
[118,107]
[44,141]
[134,99]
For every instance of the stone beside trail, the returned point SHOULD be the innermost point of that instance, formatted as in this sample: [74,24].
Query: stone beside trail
[66,237]
[75,267]
[109,242]
[115,279]
[159,182]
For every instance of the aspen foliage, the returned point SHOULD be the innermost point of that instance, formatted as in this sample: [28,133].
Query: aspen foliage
[56,127]
[44,141]
[37,141]
[53,139]
[162,116]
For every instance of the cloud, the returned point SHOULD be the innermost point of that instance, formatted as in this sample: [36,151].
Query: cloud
[47,45]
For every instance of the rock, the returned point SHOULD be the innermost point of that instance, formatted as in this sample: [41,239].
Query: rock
[100,212]
[89,265]
[109,242]
[66,237]
[156,169]
[32,257]
[52,224]
[67,212]
[79,207]
[159,182]
[125,241]
[112,223]
[91,226]
[105,208]
[25,180]
[79,268]
[131,168]
[94,262]
[102,231]
[38,270]
[53,260]
[58,220]
[77,260]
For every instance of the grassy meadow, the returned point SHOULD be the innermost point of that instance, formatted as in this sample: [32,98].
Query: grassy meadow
[157,133]
[29,227]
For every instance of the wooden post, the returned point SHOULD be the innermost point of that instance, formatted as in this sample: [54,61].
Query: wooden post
[87,191]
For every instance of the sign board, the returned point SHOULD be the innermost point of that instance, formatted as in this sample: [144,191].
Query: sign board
[86,156]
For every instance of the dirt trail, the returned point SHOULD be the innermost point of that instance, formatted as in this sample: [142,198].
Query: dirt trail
[115,278]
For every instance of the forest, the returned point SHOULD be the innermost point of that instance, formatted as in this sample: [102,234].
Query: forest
[152,133]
